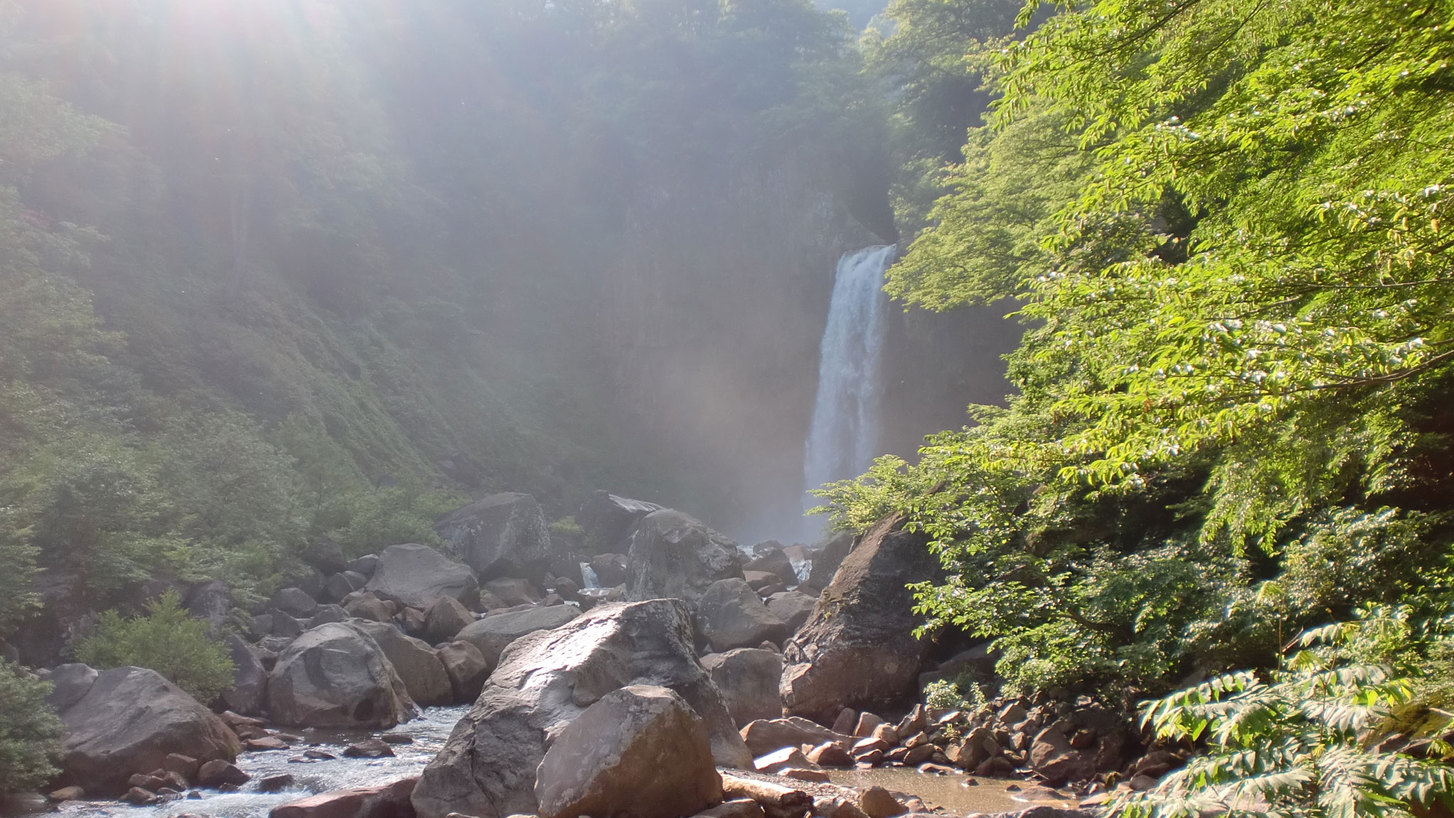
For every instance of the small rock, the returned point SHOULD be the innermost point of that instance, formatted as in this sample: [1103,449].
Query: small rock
[803,774]
[736,808]
[830,754]
[145,782]
[397,738]
[218,773]
[183,765]
[140,797]
[67,794]
[275,783]
[265,743]
[876,802]
[936,769]
[867,722]
[319,755]
[368,748]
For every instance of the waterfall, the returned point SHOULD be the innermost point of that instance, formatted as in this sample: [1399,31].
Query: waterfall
[843,437]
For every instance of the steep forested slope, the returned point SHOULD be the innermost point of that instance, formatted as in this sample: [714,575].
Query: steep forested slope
[280,269]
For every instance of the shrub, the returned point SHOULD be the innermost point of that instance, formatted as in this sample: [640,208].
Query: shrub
[29,731]
[166,640]
[1307,739]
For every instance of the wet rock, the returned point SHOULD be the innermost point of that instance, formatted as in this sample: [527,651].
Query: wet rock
[65,794]
[336,676]
[218,773]
[127,722]
[416,575]
[766,735]
[265,743]
[414,661]
[673,555]
[249,679]
[608,521]
[276,783]
[773,561]
[1052,757]
[495,632]
[640,751]
[876,802]
[610,569]
[136,796]
[792,607]
[386,801]
[781,759]
[183,765]
[445,619]
[368,748]
[748,679]
[547,678]
[858,649]
[730,615]
[466,668]
[826,557]
[499,535]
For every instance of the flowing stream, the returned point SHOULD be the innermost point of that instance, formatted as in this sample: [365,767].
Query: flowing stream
[428,732]
[843,436]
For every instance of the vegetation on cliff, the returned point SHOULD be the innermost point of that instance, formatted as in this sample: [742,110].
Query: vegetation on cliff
[1224,226]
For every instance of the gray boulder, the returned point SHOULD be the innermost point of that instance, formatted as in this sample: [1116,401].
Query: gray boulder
[466,668]
[249,678]
[826,557]
[127,722]
[69,684]
[792,607]
[748,679]
[499,535]
[547,679]
[416,575]
[730,615]
[210,600]
[639,751]
[336,676]
[495,632]
[676,556]
[414,660]
[325,555]
[608,520]
[858,648]
[445,619]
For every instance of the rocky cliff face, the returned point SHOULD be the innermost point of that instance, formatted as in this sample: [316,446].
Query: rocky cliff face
[709,320]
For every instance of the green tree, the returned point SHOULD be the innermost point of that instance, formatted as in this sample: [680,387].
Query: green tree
[166,640]
[30,732]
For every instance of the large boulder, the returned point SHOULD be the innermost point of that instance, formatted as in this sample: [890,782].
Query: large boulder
[858,648]
[414,660]
[826,557]
[495,632]
[639,751]
[748,679]
[446,618]
[336,676]
[210,600]
[128,720]
[547,679]
[249,678]
[674,555]
[792,607]
[466,668]
[730,615]
[607,521]
[416,575]
[499,535]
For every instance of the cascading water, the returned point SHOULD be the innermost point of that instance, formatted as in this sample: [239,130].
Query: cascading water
[844,433]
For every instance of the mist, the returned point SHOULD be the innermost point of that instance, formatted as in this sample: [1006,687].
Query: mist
[462,246]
